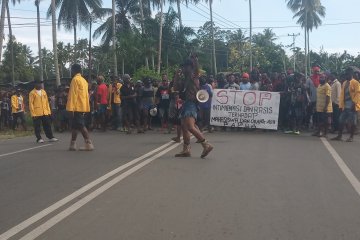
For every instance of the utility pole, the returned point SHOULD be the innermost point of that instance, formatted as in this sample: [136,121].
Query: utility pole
[294,36]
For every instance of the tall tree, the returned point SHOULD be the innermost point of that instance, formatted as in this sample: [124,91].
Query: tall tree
[75,13]
[37,4]
[54,38]
[2,24]
[308,14]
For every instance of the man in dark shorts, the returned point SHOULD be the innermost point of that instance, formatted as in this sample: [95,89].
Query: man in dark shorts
[18,109]
[78,104]
[349,105]
[129,107]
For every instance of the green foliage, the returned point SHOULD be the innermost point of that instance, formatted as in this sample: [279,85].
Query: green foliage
[143,72]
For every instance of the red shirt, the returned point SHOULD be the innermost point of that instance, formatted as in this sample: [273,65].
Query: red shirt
[102,94]
[316,79]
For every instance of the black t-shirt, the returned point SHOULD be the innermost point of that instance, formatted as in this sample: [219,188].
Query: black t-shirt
[127,91]
[163,93]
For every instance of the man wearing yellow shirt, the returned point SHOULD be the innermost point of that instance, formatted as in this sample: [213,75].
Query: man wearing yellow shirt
[115,102]
[40,113]
[323,107]
[349,104]
[78,104]
[18,109]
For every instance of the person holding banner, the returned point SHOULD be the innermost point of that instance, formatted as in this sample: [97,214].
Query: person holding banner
[188,86]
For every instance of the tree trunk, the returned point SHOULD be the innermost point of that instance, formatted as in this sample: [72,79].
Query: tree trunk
[160,37]
[37,3]
[143,31]
[250,39]
[75,45]
[306,45]
[212,38]
[53,18]
[89,65]
[179,14]
[11,45]
[123,66]
[153,61]
[2,25]
[114,38]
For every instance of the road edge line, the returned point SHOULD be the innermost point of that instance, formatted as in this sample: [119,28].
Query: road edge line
[43,213]
[24,150]
[342,165]
[77,205]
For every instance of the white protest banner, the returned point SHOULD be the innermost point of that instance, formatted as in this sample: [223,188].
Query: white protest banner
[247,109]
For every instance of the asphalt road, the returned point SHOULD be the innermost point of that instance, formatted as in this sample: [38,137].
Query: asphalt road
[254,185]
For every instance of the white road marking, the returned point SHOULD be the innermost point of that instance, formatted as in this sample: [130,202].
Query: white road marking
[24,150]
[28,222]
[65,213]
[342,165]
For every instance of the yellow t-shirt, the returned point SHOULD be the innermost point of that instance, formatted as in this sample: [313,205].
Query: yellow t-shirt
[323,91]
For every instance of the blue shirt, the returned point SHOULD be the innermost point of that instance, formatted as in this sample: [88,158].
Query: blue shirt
[245,86]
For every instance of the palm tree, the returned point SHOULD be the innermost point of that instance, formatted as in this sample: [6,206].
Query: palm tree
[308,13]
[2,24]
[74,13]
[114,36]
[11,44]
[160,36]
[37,3]
[124,11]
[53,20]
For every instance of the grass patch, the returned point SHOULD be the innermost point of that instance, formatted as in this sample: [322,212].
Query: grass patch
[9,134]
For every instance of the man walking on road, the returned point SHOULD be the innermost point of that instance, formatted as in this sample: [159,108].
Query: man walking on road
[78,104]
[349,104]
[41,113]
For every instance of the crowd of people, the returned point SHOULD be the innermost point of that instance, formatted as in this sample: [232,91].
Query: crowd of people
[324,102]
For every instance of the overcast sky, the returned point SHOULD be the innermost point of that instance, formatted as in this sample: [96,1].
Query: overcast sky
[338,33]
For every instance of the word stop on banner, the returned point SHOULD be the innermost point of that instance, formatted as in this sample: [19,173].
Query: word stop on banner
[245,109]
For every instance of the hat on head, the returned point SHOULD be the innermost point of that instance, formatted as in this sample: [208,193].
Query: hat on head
[245,75]
[126,76]
[316,69]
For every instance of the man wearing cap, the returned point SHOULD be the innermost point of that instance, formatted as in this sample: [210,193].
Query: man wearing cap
[78,104]
[245,84]
[18,109]
[40,112]
[115,102]
[349,104]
